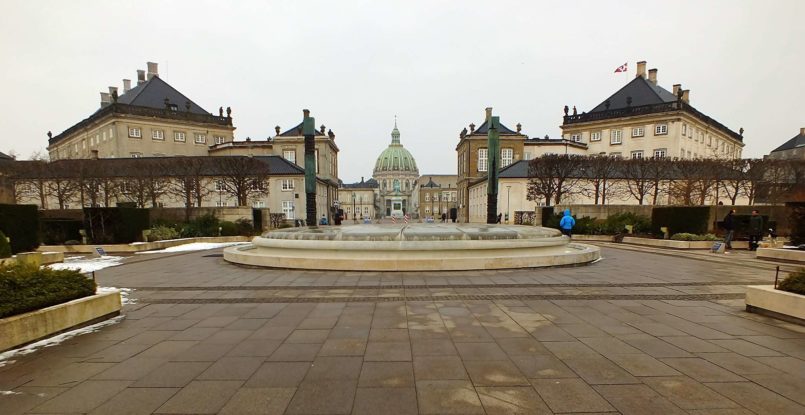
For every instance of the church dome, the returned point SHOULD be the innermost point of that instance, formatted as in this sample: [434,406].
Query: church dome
[395,158]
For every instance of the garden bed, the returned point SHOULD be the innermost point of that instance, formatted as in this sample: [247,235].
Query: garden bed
[765,299]
[672,244]
[139,246]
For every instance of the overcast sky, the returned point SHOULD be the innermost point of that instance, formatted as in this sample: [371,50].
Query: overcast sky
[436,65]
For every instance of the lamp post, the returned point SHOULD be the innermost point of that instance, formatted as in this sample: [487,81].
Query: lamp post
[508,201]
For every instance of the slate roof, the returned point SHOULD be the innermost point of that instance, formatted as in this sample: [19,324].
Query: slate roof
[431,184]
[796,142]
[297,131]
[4,156]
[642,92]
[502,130]
[152,94]
[368,184]
[280,166]
[516,170]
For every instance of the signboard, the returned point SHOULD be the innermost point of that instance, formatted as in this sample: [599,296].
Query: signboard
[718,247]
[100,251]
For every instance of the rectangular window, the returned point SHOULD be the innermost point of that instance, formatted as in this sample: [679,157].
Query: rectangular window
[661,129]
[135,132]
[637,154]
[575,138]
[366,210]
[259,204]
[506,156]
[659,153]
[595,136]
[615,137]
[201,138]
[220,139]
[482,159]
[637,132]
[615,154]
[317,160]
[287,209]
[179,136]
[427,197]
[289,155]
[527,155]
[684,130]
[111,133]
[287,184]
[219,185]
[136,155]
[157,135]
[220,203]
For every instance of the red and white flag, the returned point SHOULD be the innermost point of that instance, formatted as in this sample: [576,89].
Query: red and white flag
[622,68]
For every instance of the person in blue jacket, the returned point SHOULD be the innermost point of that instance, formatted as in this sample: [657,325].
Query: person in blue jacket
[567,223]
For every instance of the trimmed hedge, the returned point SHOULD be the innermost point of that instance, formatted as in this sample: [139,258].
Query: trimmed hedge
[794,283]
[21,224]
[58,231]
[680,219]
[5,247]
[116,225]
[25,288]
[797,223]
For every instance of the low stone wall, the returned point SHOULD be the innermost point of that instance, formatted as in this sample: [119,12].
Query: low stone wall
[29,327]
[594,238]
[764,299]
[139,246]
[780,254]
[37,258]
[669,243]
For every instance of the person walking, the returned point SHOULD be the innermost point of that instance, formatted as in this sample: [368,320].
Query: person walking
[729,228]
[500,216]
[755,230]
[567,223]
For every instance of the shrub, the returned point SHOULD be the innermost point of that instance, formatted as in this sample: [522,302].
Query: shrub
[794,283]
[57,231]
[5,247]
[617,223]
[245,227]
[21,224]
[797,223]
[25,288]
[693,237]
[228,228]
[116,225]
[680,219]
[206,225]
[161,233]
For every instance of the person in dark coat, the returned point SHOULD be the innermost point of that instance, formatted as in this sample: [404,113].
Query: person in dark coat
[755,230]
[500,216]
[729,228]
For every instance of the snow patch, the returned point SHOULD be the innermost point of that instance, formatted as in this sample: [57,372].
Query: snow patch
[3,393]
[87,265]
[195,246]
[125,294]
[55,340]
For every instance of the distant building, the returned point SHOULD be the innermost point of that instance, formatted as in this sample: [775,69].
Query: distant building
[436,194]
[793,149]
[360,200]
[396,173]
[643,120]
[152,119]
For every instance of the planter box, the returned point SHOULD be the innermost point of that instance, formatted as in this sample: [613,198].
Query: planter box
[29,327]
[779,254]
[764,299]
[600,238]
[670,243]
[139,246]
[37,258]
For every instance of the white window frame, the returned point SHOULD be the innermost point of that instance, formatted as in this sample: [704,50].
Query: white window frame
[638,132]
[179,136]
[219,139]
[615,137]
[135,132]
[595,136]
[637,154]
[199,138]
[158,135]
[616,154]
[136,155]
[291,153]
[661,129]
[287,185]
[483,159]
[219,186]
[287,209]
[259,204]
[506,156]
[684,130]
[660,153]
[576,138]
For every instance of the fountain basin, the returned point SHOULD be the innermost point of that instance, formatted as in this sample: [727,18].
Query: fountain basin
[415,247]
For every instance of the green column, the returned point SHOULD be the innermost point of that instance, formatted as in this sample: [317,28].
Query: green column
[493,157]
[309,131]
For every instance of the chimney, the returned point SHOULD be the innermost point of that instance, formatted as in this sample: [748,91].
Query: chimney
[94,155]
[488,114]
[641,69]
[140,76]
[686,96]
[652,76]
[802,131]
[106,99]
[126,85]
[152,70]
[677,87]
[112,90]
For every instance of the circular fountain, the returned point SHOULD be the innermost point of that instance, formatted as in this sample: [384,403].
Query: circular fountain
[414,247]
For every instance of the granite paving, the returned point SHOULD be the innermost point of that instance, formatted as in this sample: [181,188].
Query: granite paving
[641,331]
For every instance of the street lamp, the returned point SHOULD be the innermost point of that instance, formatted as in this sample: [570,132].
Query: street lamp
[354,215]
[508,201]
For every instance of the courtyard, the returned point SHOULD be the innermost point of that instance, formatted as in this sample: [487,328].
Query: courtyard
[641,331]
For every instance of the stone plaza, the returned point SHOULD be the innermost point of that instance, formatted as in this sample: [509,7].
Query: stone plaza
[642,331]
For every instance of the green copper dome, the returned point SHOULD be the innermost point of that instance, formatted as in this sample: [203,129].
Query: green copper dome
[395,157]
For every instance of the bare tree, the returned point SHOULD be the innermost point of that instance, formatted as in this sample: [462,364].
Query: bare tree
[30,180]
[639,183]
[755,177]
[242,177]
[61,183]
[734,180]
[553,176]
[601,172]
[190,181]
